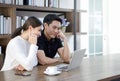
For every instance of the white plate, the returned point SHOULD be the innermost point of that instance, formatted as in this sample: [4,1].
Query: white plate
[56,73]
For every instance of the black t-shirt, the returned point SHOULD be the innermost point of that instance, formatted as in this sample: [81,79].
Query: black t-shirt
[50,47]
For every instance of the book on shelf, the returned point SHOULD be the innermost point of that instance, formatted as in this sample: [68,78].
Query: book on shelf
[5,25]
[46,3]
[8,25]
[1,24]
[40,3]
[7,1]
[25,2]
[20,20]
[20,2]
[53,3]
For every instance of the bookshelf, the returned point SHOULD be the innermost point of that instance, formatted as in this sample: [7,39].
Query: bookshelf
[14,9]
[1,60]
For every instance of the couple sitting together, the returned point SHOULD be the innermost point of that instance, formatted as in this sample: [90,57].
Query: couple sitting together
[31,46]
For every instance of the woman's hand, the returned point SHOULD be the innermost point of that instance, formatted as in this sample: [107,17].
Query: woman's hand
[19,68]
[32,37]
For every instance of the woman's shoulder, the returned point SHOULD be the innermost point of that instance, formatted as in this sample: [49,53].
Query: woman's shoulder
[15,39]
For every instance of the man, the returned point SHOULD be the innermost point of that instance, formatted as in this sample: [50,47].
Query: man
[50,43]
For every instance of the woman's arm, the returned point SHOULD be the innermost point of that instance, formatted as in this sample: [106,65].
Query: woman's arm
[29,60]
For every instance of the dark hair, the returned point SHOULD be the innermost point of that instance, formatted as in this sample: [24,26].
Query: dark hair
[33,21]
[51,17]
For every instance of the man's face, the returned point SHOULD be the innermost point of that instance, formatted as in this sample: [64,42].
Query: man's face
[52,29]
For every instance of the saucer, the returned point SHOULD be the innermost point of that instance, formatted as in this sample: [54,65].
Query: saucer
[56,73]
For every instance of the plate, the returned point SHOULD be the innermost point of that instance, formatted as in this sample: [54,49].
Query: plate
[56,73]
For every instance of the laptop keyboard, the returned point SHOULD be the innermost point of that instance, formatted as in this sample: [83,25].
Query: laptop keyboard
[62,66]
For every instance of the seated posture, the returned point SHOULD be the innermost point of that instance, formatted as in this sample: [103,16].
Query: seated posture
[21,51]
[50,41]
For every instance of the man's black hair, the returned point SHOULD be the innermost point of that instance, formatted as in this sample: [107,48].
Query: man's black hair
[51,17]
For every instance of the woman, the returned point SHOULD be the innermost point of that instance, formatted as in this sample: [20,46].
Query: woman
[21,51]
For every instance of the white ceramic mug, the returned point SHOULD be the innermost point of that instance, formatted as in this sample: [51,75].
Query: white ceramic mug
[51,69]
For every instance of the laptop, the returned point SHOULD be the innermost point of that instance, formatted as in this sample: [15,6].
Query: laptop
[75,61]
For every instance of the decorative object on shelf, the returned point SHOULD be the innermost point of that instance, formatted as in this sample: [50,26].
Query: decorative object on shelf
[65,23]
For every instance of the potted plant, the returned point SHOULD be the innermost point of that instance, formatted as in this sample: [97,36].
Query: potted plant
[65,23]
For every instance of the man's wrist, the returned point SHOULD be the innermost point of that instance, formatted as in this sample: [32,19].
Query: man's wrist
[65,39]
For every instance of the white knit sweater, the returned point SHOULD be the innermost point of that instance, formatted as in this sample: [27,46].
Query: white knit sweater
[20,51]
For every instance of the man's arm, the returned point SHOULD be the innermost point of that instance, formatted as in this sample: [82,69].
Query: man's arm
[42,59]
[64,51]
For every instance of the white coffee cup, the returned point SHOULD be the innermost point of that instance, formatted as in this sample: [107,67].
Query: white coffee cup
[51,69]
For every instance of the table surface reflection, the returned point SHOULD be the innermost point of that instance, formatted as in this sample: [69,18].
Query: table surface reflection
[91,69]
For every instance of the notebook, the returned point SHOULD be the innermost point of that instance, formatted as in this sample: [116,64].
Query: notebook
[75,61]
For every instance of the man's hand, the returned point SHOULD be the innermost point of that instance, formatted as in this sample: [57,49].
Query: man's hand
[61,35]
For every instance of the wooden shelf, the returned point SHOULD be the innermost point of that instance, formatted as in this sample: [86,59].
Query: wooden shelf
[42,9]
[13,11]
[68,33]
[6,5]
[5,36]
[1,60]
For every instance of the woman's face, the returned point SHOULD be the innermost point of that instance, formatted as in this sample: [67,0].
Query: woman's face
[37,31]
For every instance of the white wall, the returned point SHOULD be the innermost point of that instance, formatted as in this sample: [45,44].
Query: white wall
[105,27]
[112,25]
[82,4]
